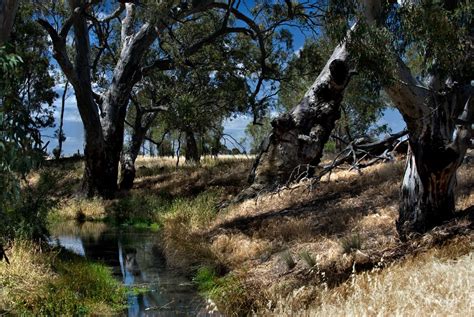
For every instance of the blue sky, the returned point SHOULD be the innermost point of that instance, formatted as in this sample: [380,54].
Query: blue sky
[73,127]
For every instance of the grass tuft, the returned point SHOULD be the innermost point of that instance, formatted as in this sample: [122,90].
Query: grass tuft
[351,243]
[288,259]
[308,259]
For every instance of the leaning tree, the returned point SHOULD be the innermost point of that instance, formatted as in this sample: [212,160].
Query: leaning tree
[433,94]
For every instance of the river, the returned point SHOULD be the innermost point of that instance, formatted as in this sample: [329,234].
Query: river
[135,260]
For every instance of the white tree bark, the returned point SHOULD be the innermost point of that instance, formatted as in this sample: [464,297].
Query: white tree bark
[439,117]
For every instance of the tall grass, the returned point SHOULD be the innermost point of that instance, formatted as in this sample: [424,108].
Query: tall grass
[432,284]
[227,292]
[183,246]
[49,283]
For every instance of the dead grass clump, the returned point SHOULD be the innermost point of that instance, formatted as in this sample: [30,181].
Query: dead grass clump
[235,249]
[439,282]
[82,209]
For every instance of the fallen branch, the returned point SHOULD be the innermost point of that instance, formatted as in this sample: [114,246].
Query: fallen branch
[358,155]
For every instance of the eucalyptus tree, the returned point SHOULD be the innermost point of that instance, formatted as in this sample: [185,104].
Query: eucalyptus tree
[195,96]
[363,103]
[26,97]
[193,100]
[27,91]
[435,101]
[136,30]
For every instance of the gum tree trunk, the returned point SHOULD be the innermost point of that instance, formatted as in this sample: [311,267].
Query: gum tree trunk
[297,139]
[103,116]
[8,10]
[141,126]
[438,142]
[192,153]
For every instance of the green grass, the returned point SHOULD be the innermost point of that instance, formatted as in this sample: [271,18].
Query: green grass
[57,283]
[287,258]
[197,212]
[81,288]
[227,292]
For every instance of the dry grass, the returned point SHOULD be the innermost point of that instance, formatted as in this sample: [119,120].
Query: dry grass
[249,238]
[27,273]
[437,283]
[82,209]
[161,175]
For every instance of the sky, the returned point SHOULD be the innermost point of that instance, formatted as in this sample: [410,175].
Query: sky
[235,127]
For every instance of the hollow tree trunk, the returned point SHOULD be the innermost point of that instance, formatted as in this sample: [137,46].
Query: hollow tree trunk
[192,153]
[297,139]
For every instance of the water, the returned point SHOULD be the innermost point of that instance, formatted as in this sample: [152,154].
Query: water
[135,260]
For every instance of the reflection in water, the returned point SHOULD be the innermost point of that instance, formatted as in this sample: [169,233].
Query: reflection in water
[134,259]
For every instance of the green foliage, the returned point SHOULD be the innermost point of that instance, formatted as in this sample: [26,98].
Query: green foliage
[330,147]
[256,133]
[441,36]
[25,214]
[25,89]
[140,209]
[371,48]
[303,68]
